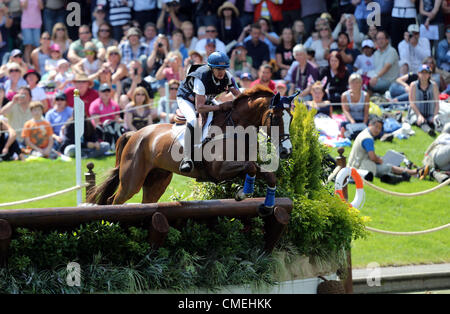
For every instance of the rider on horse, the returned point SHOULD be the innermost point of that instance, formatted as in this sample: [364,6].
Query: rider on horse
[200,87]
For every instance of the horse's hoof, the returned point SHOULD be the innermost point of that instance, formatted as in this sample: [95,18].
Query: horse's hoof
[186,166]
[264,211]
[240,195]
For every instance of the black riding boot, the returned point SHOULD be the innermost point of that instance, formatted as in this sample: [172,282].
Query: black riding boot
[187,165]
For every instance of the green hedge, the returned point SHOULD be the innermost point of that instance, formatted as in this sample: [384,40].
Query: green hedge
[112,259]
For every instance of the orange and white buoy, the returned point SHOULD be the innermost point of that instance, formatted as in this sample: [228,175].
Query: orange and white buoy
[339,184]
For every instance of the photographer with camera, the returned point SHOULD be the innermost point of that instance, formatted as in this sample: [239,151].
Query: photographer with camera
[413,49]
[240,62]
[168,20]
[132,82]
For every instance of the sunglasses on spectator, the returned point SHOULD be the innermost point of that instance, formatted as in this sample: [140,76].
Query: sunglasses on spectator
[59,99]
[14,70]
[113,53]
[173,88]
[83,33]
[210,30]
[105,91]
[104,31]
[46,38]
[18,56]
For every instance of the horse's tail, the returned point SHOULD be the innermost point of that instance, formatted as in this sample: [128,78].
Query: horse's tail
[102,193]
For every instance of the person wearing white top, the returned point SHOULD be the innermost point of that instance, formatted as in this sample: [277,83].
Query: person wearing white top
[413,49]
[403,14]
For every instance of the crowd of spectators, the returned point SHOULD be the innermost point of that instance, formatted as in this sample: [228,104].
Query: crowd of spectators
[128,52]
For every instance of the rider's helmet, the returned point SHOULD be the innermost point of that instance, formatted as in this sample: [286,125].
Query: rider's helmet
[218,60]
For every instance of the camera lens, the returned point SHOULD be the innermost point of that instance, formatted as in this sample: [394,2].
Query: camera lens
[160,45]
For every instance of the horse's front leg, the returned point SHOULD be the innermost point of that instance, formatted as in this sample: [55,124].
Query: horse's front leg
[249,183]
[230,169]
[266,208]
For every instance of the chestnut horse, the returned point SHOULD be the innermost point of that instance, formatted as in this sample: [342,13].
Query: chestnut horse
[144,159]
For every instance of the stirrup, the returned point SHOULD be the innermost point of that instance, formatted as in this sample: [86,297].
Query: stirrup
[186,165]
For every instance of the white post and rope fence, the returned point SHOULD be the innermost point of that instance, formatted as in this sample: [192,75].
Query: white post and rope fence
[90,175]
[78,106]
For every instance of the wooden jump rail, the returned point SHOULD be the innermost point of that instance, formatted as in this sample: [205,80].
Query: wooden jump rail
[155,216]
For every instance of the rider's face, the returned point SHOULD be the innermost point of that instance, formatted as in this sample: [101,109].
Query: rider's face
[219,73]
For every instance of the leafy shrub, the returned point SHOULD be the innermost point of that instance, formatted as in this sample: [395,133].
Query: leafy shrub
[321,225]
[115,259]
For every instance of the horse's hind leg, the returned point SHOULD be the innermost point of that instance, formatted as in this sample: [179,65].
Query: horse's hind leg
[132,178]
[155,185]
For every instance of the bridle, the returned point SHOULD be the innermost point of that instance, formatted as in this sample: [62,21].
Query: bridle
[278,102]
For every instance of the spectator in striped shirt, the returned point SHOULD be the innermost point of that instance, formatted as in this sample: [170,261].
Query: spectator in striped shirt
[133,48]
[118,14]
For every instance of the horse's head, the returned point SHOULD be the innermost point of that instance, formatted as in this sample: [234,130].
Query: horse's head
[279,115]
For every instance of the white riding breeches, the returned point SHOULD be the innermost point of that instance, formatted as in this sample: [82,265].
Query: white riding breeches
[188,110]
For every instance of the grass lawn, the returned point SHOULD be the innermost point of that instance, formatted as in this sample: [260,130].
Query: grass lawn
[22,180]
[404,214]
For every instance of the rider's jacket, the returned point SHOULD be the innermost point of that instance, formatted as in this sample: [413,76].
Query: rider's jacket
[213,86]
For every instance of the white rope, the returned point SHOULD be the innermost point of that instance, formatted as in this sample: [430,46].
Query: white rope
[77,187]
[446,182]
[408,233]
[333,174]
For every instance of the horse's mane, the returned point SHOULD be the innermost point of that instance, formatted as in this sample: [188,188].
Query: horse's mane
[252,96]
[255,92]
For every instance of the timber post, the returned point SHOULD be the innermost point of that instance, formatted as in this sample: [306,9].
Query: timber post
[5,239]
[348,282]
[89,178]
[159,228]
[274,227]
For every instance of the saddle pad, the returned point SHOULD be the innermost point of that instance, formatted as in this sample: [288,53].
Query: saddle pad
[180,130]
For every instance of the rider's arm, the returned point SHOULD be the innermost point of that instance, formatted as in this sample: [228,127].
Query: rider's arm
[200,101]
[235,91]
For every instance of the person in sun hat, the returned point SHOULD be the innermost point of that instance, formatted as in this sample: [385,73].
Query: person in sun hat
[15,80]
[87,93]
[229,25]
[37,93]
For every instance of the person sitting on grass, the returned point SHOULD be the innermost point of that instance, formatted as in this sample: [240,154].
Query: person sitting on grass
[57,116]
[424,101]
[91,147]
[362,156]
[355,103]
[38,133]
[437,157]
